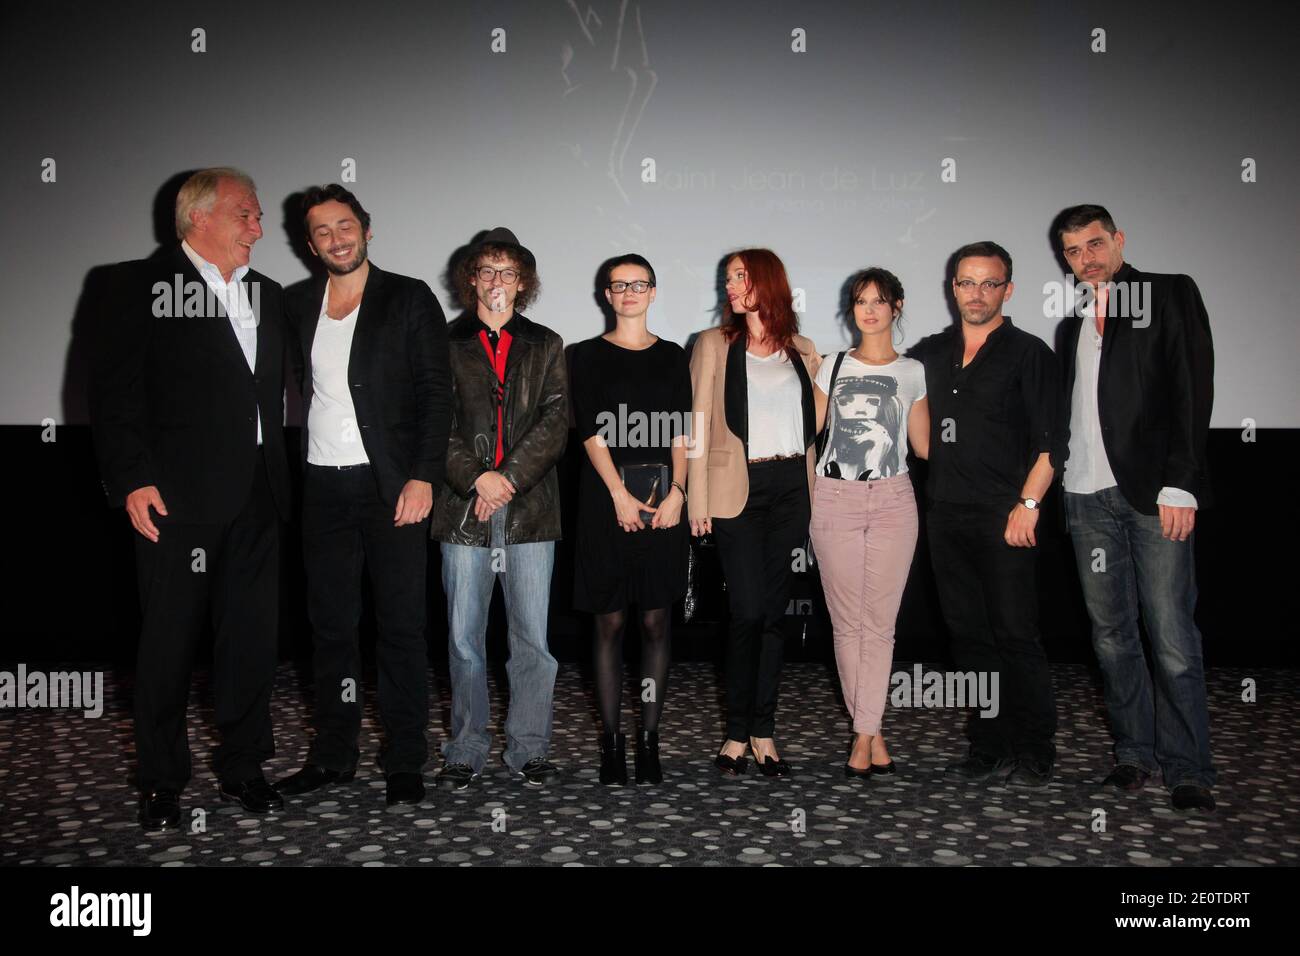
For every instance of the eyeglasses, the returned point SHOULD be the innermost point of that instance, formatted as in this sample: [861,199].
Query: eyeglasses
[988,285]
[639,286]
[487,274]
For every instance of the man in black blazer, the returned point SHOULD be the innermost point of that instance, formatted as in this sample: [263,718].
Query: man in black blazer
[369,351]
[1139,376]
[187,411]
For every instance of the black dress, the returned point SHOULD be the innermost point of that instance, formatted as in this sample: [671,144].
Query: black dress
[623,394]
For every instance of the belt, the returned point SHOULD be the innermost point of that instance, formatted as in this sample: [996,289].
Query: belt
[364,464]
[756,461]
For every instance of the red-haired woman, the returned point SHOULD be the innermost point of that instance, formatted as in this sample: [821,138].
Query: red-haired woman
[749,475]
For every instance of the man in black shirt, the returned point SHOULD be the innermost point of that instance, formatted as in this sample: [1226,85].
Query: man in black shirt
[994,442]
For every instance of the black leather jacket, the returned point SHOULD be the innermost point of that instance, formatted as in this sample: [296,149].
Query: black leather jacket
[536,424]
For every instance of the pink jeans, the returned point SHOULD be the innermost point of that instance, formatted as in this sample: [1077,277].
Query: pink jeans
[864,536]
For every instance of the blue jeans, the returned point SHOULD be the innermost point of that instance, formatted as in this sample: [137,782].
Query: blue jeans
[468,576]
[1125,564]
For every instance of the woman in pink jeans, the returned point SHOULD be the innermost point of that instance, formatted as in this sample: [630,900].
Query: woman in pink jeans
[864,522]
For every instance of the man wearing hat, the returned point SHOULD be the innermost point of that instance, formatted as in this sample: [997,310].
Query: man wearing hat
[498,513]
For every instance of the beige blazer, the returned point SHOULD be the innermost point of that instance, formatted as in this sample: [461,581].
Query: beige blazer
[717,472]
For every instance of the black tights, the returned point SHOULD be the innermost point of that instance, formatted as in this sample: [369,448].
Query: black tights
[656,649]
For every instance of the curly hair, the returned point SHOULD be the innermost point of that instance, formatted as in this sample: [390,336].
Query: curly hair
[523,261]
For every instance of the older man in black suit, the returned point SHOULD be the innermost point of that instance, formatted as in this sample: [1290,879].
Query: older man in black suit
[187,411]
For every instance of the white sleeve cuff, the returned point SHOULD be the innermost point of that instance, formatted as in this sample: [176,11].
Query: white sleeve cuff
[1176,498]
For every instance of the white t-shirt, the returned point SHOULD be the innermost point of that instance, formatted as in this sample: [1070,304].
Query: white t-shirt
[775,406]
[867,417]
[333,435]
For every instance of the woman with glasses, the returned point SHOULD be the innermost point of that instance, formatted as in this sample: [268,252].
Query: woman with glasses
[750,473]
[864,521]
[632,402]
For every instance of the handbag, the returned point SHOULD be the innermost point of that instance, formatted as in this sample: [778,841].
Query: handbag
[646,483]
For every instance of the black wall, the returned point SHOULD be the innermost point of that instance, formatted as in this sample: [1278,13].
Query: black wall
[69,582]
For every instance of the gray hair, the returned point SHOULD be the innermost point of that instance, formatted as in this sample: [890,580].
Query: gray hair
[199,193]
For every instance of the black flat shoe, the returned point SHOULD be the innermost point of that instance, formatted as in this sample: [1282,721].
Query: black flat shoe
[254,795]
[1127,778]
[859,773]
[731,766]
[312,777]
[159,810]
[880,769]
[404,788]
[773,768]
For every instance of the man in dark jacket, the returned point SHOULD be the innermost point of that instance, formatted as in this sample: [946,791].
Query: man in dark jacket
[498,513]
[187,414]
[1139,375]
[369,351]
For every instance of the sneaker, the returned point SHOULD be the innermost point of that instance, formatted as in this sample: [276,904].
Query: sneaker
[538,772]
[455,776]
[980,766]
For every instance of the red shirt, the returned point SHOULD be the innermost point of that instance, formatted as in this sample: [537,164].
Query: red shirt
[498,361]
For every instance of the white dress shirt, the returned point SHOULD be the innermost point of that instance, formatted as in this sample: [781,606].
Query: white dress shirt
[1088,469]
[233,297]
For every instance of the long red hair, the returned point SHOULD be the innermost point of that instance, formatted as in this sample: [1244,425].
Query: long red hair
[771,292]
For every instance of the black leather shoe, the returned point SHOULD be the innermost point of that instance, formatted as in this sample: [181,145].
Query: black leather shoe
[312,777]
[404,788]
[1030,772]
[772,768]
[1127,778]
[980,767]
[1188,796]
[254,795]
[731,766]
[647,758]
[613,760]
[159,810]
[860,773]
[881,769]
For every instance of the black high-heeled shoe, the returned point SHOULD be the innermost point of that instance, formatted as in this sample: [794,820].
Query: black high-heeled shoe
[772,768]
[881,769]
[647,758]
[613,759]
[856,772]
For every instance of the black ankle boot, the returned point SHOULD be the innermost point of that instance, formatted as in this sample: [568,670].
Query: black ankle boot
[647,758]
[613,759]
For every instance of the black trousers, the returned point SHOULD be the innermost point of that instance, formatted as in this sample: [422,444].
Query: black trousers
[345,524]
[229,573]
[988,591]
[756,550]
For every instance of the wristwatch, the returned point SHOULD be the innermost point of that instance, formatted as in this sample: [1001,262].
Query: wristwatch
[1031,503]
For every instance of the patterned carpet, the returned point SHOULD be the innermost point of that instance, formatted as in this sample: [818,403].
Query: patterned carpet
[67,797]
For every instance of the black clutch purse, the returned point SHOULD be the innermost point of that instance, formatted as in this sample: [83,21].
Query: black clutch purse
[645,483]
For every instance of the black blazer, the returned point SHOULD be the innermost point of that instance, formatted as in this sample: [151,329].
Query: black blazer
[398,375]
[1155,389]
[736,393]
[173,403]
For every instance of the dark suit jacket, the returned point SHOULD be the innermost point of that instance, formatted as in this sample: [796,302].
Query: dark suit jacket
[174,403]
[398,375]
[1155,390]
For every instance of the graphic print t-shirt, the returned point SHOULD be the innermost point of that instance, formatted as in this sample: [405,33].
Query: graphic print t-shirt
[866,417]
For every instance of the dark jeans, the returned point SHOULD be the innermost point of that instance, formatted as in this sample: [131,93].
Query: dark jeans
[988,591]
[756,549]
[230,574]
[345,523]
[1125,565]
